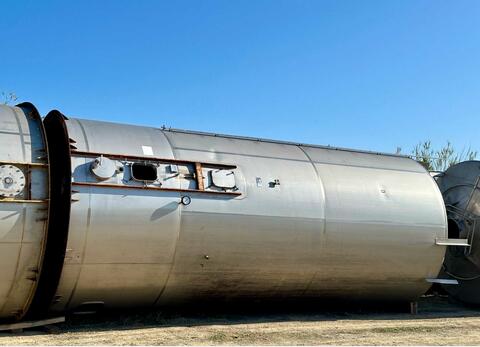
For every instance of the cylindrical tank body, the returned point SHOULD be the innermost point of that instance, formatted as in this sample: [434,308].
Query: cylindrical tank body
[97,213]
[162,216]
[460,186]
[24,203]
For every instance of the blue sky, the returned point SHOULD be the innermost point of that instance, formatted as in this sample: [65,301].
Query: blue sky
[363,74]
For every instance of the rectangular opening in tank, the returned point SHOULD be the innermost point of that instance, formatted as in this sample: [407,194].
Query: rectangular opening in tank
[144,172]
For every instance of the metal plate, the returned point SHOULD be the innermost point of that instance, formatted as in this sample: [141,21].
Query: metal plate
[442,281]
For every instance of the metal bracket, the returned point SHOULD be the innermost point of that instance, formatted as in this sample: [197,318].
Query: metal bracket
[452,242]
[441,280]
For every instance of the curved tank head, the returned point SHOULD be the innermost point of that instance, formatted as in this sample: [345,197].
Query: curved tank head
[460,187]
[24,204]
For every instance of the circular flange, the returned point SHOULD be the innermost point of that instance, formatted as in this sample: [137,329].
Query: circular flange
[12,181]
[103,168]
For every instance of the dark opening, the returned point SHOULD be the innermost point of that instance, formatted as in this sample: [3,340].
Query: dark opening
[453,229]
[59,214]
[144,172]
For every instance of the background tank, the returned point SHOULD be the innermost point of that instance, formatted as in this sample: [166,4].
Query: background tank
[163,216]
[24,203]
[461,191]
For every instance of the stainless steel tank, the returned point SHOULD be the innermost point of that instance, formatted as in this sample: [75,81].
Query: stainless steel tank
[460,186]
[162,216]
[102,214]
[24,207]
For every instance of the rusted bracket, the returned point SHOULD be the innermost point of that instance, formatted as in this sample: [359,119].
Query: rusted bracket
[119,186]
[199,175]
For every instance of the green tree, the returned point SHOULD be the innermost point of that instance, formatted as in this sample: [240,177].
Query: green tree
[8,98]
[442,158]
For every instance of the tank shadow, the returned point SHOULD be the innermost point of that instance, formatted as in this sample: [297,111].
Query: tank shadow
[206,314]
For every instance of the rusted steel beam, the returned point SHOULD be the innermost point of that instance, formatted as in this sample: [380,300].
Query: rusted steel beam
[119,186]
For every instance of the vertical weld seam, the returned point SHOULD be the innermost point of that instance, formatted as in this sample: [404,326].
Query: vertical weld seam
[89,213]
[74,289]
[87,146]
[320,182]
[179,230]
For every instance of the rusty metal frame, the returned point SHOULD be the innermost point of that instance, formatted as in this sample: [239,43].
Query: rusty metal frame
[198,166]
[120,186]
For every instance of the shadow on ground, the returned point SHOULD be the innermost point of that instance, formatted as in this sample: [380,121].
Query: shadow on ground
[429,307]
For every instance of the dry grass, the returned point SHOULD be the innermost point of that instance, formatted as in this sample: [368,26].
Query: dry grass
[438,323]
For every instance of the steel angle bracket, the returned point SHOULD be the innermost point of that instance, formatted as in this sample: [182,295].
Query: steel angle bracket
[441,281]
[452,242]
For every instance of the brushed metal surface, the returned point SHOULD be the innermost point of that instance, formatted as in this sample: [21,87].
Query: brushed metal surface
[310,221]
[23,219]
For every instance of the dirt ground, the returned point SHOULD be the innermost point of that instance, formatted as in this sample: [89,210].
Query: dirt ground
[438,322]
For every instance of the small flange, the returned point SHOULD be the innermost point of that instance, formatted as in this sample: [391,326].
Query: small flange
[12,181]
[103,168]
